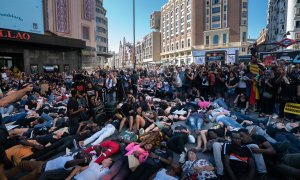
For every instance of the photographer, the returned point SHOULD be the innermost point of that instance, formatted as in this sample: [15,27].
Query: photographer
[111,85]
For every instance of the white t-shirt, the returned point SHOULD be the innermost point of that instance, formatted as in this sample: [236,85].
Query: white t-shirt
[162,175]
[178,81]
[58,163]
[93,172]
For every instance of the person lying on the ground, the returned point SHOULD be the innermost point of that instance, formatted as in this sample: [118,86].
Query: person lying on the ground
[46,169]
[93,171]
[103,150]
[171,173]
[195,168]
[159,158]
[277,159]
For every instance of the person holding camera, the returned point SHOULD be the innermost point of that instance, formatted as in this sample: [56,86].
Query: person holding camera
[111,83]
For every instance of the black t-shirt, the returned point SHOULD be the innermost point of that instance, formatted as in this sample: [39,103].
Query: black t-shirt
[161,153]
[72,104]
[134,79]
[232,82]
[219,83]
[144,106]
[239,157]
[31,104]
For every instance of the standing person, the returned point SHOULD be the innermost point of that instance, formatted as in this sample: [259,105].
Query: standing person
[134,82]
[220,83]
[212,81]
[237,159]
[111,83]
[189,76]
[74,112]
[268,95]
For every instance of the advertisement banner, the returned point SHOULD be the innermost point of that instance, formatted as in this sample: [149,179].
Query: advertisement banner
[26,16]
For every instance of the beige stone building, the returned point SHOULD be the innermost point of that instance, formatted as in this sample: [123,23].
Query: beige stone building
[202,31]
[73,19]
[148,49]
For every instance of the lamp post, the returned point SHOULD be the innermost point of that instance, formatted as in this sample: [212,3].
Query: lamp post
[134,58]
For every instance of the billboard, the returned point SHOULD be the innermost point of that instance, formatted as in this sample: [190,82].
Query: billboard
[25,15]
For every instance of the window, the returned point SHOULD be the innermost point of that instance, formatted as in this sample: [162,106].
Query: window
[207,20]
[298,1]
[189,43]
[225,8]
[297,24]
[216,39]
[188,17]
[189,24]
[215,10]
[224,38]
[176,10]
[215,26]
[243,49]
[98,10]
[172,47]
[207,11]
[182,20]
[182,6]
[182,44]
[244,38]
[215,2]
[85,33]
[244,22]
[215,18]
[207,40]
[188,2]
[298,12]
[225,17]
[245,5]
[177,45]
[244,14]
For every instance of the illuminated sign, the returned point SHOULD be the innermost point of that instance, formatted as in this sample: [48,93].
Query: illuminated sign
[215,56]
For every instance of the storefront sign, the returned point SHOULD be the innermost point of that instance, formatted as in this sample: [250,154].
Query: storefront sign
[14,35]
[292,108]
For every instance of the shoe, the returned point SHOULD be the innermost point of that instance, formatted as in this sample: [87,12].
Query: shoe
[141,131]
[182,157]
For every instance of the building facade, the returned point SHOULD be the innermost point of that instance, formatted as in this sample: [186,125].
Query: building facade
[53,41]
[193,29]
[155,18]
[125,54]
[101,34]
[73,19]
[148,49]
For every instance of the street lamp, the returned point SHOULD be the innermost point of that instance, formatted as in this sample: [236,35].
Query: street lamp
[134,58]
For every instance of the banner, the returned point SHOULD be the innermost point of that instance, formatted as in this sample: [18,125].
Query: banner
[292,108]
[254,68]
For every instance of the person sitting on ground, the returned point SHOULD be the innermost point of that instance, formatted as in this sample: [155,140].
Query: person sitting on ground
[127,110]
[237,160]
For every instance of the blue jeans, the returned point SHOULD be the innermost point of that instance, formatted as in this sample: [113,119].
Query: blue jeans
[289,137]
[7,110]
[221,103]
[195,122]
[111,97]
[13,118]
[249,118]
[228,121]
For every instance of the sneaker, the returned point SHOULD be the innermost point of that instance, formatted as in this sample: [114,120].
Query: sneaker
[182,157]
[141,131]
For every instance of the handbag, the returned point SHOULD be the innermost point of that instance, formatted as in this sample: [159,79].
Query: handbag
[133,162]
[267,95]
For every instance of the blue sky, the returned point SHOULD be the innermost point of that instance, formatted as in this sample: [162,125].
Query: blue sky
[119,13]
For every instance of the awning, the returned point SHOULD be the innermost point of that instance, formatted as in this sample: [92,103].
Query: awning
[106,55]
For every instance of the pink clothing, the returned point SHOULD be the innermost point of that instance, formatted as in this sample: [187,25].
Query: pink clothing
[133,147]
[204,104]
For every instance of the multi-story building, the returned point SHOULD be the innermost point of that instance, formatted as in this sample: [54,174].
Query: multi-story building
[283,21]
[125,54]
[59,37]
[148,49]
[206,30]
[113,61]
[101,33]
[155,20]
[76,20]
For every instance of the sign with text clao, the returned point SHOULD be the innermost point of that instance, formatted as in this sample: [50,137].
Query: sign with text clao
[14,35]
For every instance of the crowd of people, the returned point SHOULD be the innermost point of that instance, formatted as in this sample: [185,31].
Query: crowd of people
[162,122]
